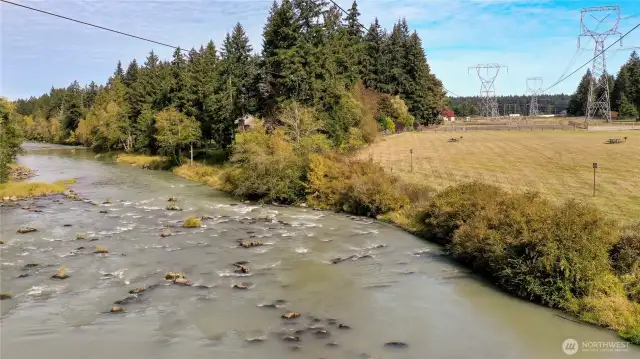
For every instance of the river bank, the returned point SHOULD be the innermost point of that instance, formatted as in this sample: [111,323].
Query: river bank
[597,296]
[405,290]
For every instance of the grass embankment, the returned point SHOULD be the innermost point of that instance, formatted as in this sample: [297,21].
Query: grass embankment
[562,254]
[19,190]
[557,164]
[144,161]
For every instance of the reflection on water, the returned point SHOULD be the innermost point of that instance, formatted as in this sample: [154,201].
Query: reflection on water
[383,293]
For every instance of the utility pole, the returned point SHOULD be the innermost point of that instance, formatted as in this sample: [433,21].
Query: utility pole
[534,87]
[487,74]
[598,100]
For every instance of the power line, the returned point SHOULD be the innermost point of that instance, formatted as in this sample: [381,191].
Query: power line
[588,62]
[93,25]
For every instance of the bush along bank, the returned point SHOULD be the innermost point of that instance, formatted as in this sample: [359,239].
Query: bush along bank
[568,256]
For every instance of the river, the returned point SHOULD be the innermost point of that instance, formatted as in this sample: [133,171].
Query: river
[406,291]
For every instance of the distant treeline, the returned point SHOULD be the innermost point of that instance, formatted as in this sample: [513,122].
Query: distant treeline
[547,104]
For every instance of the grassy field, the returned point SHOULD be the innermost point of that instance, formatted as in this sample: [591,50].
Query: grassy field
[555,163]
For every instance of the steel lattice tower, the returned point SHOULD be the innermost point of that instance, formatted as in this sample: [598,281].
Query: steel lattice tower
[489,104]
[534,87]
[599,99]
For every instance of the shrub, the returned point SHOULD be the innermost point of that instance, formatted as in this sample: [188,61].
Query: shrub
[265,167]
[551,254]
[213,176]
[387,125]
[355,141]
[611,311]
[191,222]
[455,205]
[625,258]
[356,187]
[144,161]
[347,113]
[631,334]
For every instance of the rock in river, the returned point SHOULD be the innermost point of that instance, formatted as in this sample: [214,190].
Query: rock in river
[396,345]
[173,275]
[242,269]
[182,281]
[27,230]
[62,274]
[136,290]
[173,208]
[291,338]
[116,309]
[290,315]
[246,244]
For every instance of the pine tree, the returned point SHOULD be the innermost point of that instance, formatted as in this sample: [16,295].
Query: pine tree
[634,79]
[235,76]
[281,61]
[118,72]
[374,61]
[627,109]
[74,109]
[180,89]
[422,92]
[90,93]
[355,43]
[131,75]
[395,51]
[621,87]
[209,88]
[578,102]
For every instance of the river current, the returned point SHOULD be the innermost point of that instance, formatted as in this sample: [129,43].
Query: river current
[394,288]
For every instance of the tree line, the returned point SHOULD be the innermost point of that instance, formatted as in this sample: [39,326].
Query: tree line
[624,90]
[311,56]
[547,104]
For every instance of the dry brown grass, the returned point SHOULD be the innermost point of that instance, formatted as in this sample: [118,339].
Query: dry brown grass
[556,163]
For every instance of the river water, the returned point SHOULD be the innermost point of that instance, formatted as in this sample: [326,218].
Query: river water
[406,291]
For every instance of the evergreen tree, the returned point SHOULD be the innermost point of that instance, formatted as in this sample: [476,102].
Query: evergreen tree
[627,109]
[74,110]
[281,61]
[180,89]
[90,93]
[634,79]
[422,92]
[235,78]
[118,72]
[355,42]
[374,61]
[395,52]
[578,102]
[131,75]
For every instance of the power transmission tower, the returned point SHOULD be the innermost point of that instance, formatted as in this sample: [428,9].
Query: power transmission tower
[598,100]
[489,103]
[534,87]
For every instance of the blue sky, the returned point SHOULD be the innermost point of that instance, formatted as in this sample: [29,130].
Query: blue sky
[534,38]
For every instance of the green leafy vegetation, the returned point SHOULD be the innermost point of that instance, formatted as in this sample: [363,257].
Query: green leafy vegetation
[10,138]
[191,222]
